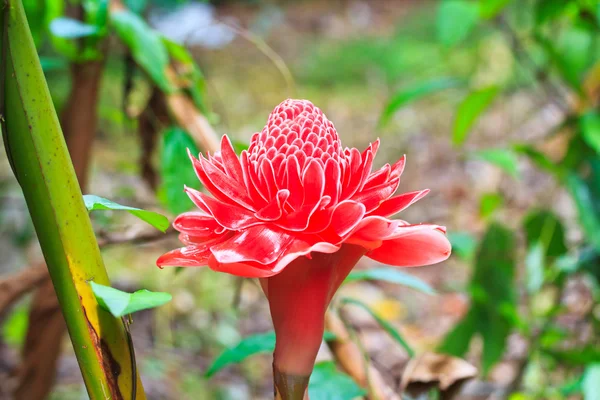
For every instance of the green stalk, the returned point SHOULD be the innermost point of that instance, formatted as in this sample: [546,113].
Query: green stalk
[41,163]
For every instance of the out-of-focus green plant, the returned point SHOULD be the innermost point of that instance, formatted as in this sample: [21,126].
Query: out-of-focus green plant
[556,47]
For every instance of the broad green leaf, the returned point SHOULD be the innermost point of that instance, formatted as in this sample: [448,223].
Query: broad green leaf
[588,218]
[120,303]
[145,44]
[489,9]
[456,342]
[469,110]
[464,244]
[328,383]
[591,382]
[573,52]
[390,275]
[384,324]
[489,203]
[176,170]
[414,93]
[590,130]
[544,227]
[248,346]
[157,220]
[534,265]
[96,13]
[69,28]
[455,20]
[505,159]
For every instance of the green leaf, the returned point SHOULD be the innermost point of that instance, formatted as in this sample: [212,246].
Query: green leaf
[469,110]
[489,203]
[589,354]
[120,303]
[489,9]
[14,328]
[176,170]
[573,52]
[534,265]
[591,382]
[413,93]
[69,28]
[155,219]
[145,44]
[493,298]
[328,383]
[390,275]
[464,244]
[545,228]
[505,159]
[494,276]
[584,202]
[539,159]
[547,10]
[456,343]
[455,20]
[590,130]
[383,323]
[247,347]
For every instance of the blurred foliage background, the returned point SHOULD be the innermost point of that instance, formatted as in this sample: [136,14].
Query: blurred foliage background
[495,103]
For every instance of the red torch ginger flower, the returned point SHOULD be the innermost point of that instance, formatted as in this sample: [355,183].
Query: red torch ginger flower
[298,211]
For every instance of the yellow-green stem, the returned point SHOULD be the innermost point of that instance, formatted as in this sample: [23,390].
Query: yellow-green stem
[41,163]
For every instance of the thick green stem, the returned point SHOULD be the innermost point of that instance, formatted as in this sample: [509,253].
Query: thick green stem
[41,163]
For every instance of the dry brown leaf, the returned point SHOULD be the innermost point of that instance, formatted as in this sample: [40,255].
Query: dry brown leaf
[441,368]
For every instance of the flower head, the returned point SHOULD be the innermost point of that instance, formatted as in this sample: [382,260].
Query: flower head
[298,211]
[294,192]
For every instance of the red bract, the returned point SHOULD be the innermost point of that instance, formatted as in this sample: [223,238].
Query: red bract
[299,209]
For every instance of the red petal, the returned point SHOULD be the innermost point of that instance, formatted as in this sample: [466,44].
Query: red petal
[231,161]
[274,210]
[412,246]
[378,177]
[197,224]
[398,168]
[256,244]
[245,270]
[399,203]
[231,189]
[346,216]
[332,180]
[294,184]
[190,256]
[255,195]
[371,231]
[227,215]
[313,181]
[268,175]
[373,197]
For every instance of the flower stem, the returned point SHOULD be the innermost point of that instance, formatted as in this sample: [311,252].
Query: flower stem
[290,387]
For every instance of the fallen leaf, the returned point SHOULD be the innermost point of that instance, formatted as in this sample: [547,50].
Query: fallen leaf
[441,368]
